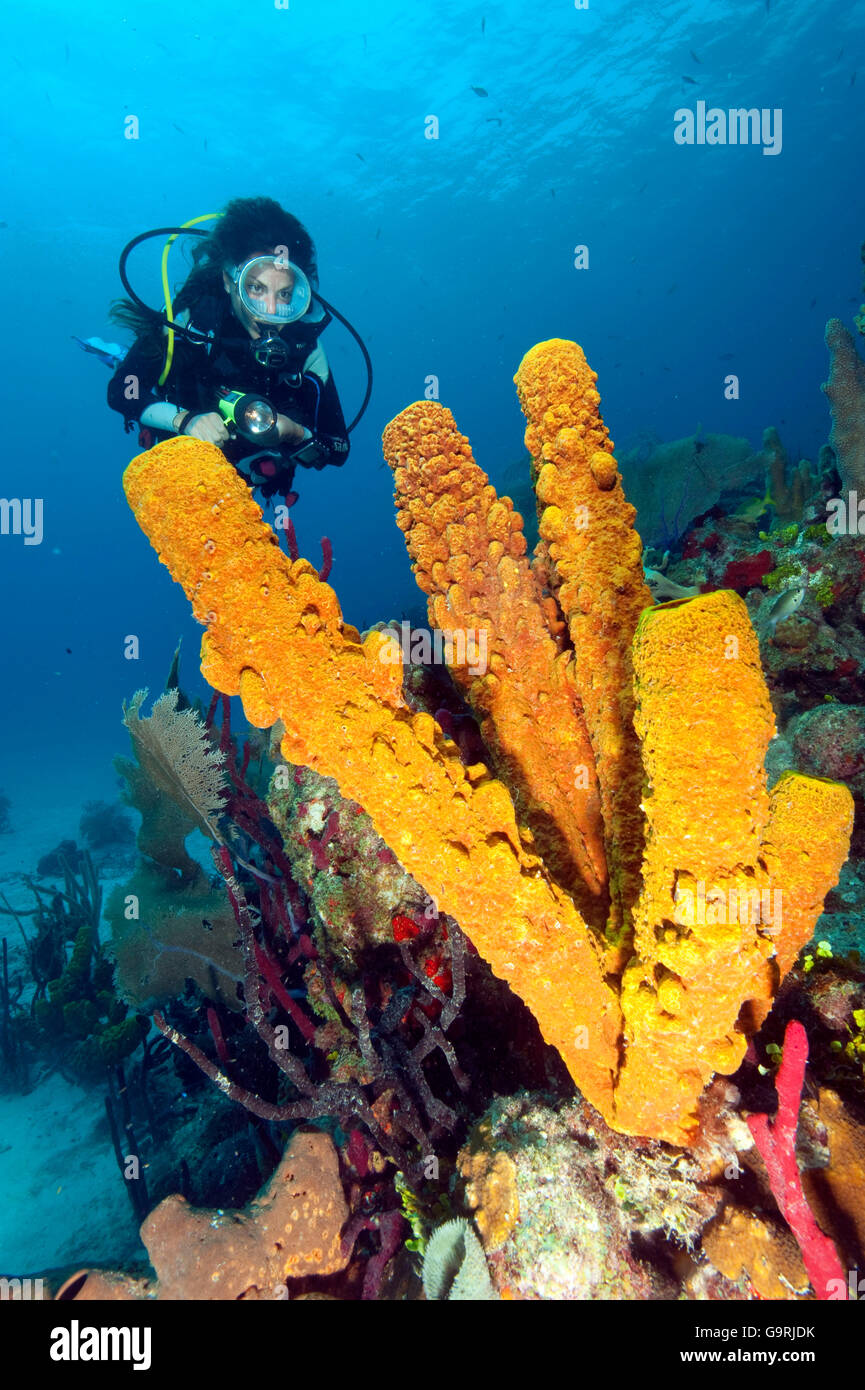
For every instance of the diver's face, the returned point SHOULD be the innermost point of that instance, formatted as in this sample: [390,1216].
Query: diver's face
[267,287]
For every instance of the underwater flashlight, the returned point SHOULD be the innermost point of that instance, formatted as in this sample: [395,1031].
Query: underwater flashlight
[251,416]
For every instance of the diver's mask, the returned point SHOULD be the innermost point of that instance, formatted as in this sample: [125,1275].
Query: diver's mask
[273,291]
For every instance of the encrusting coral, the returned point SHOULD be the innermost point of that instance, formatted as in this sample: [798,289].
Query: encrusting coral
[643,1047]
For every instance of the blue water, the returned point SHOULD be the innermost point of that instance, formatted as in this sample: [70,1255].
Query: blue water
[451,257]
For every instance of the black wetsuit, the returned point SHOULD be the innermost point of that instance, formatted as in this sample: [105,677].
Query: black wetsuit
[304,390]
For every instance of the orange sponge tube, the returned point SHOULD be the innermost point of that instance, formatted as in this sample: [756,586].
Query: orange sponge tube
[276,637]
[468,554]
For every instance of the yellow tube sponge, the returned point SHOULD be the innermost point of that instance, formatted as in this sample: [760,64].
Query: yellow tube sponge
[276,637]
[589,530]
[716,883]
[468,554]
[731,885]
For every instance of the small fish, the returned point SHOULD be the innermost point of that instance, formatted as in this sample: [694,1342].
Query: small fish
[480,91]
[205,144]
[725,357]
[768,5]
[673,287]
[497,119]
[692,80]
[785,606]
[378,234]
[643,188]
[3,226]
[753,509]
[853,78]
[360,157]
[662,588]
[812,304]
[483,24]
[68,651]
[694,56]
[552,195]
[178,128]
[363,36]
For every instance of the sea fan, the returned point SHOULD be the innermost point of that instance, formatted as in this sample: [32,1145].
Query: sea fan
[174,749]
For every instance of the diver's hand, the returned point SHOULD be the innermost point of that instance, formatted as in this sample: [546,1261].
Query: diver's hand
[210,427]
[289,430]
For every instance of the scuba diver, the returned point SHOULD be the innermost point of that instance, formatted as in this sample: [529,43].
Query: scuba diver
[236,359]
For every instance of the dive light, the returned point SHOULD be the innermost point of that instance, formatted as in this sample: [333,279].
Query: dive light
[251,416]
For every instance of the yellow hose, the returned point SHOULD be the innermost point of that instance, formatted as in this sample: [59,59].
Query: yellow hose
[166,290]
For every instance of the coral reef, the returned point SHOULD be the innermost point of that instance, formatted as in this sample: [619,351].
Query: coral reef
[845,389]
[672,483]
[275,636]
[75,1018]
[82,1017]
[104,824]
[787,490]
[582,1192]
[354,884]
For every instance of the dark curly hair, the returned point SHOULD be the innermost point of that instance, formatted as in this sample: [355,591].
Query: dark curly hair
[246,227]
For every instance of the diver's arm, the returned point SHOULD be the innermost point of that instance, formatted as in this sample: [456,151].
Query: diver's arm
[133,392]
[290,432]
[165,417]
[131,389]
[328,441]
